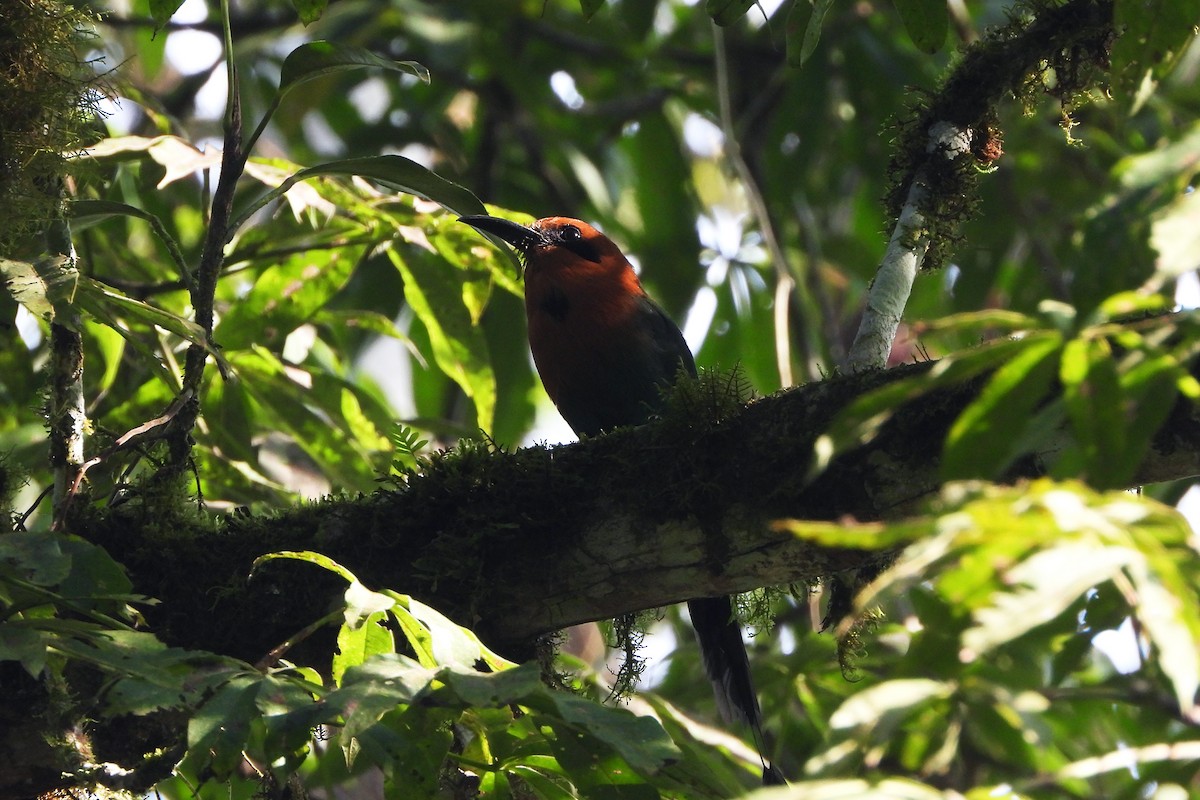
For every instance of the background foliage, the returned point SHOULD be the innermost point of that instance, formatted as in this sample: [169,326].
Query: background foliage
[743,164]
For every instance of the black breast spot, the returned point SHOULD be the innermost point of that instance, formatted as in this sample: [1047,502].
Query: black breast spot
[555,304]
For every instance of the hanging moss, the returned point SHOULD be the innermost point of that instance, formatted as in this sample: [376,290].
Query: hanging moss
[1048,48]
[46,103]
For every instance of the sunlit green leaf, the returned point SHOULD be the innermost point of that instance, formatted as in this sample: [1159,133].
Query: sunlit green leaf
[982,442]
[285,296]
[1045,585]
[1095,406]
[47,287]
[459,346]
[392,171]
[377,686]
[317,559]
[494,689]
[179,157]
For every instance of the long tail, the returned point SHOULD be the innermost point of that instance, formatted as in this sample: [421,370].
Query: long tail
[728,667]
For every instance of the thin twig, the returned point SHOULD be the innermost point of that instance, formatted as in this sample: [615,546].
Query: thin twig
[280,650]
[135,435]
[233,162]
[19,523]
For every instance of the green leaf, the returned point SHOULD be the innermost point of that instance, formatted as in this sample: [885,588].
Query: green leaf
[1153,36]
[590,7]
[1131,304]
[218,731]
[1150,389]
[279,392]
[37,557]
[84,209]
[727,12]
[926,21]
[803,29]
[1175,236]
[393,171]
[859,422]
[377,686]
[856,536]
[1095,407]
[361,603]
[286,296]
[548,786]
[320,58]
[1044,586]
[596,770]
[640,741]
[360,319]
[316,559]
[1166,582]
[418,743]
[355,644]
[110,345]
[26,645]
[149,675]
[112,307]
[310,10]
[93,574]
[983,440]
[983,324]
[46,287]
[874,715]
[179,157]
[162,10]
[459,347]
[470,687]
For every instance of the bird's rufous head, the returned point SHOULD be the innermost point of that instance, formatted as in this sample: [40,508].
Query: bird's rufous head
[555,244]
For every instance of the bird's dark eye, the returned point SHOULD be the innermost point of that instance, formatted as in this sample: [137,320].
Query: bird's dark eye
[570,237]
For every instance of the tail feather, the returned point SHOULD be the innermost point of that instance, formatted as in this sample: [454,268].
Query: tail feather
[728,668]
[725,659]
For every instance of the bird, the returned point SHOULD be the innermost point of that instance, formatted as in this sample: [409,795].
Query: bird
[605,352]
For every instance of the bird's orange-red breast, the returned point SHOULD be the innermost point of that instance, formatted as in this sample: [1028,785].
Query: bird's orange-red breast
[603,348]
[605,351]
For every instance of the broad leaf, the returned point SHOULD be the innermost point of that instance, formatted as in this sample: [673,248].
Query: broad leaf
[727,12]
[320,58]
[393,171]
[803,29]
[984,439]
[926,21]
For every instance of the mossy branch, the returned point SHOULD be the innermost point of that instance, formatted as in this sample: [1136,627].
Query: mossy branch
[518,544]
[949,135]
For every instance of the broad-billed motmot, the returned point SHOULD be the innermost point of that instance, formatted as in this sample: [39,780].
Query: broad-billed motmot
[605,351]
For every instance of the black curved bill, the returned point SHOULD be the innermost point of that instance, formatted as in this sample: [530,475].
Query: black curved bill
[519,236]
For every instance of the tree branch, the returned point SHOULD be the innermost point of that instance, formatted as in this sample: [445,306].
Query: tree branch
[515,545]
